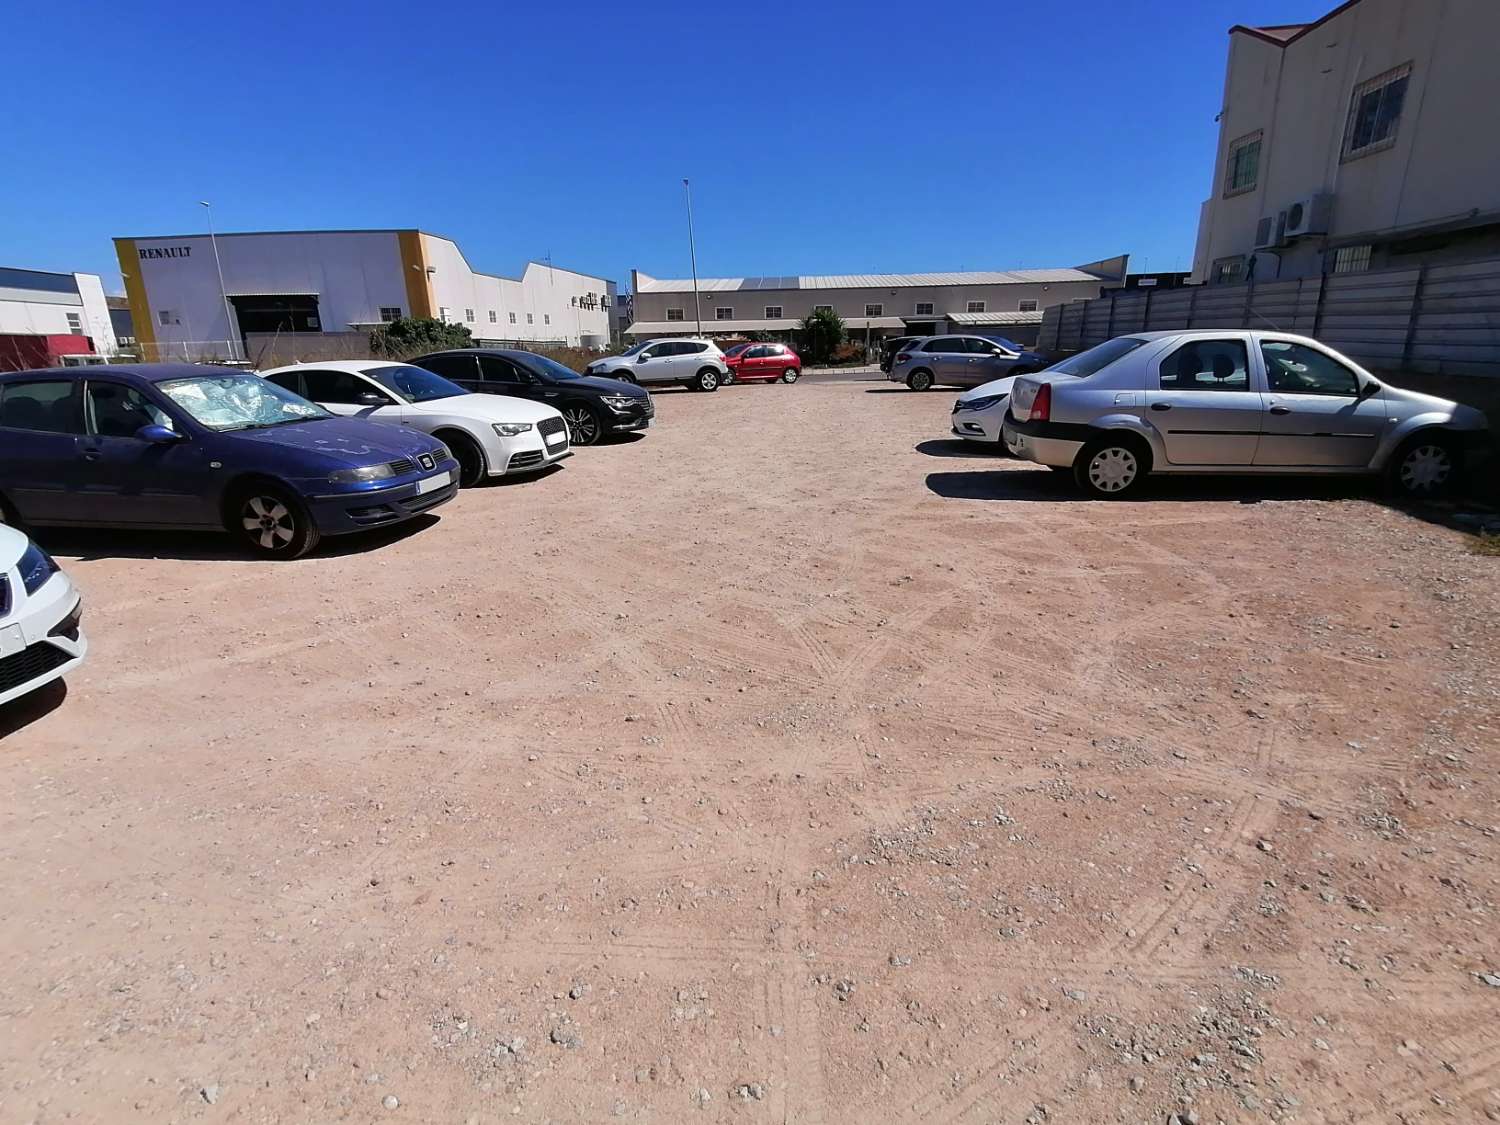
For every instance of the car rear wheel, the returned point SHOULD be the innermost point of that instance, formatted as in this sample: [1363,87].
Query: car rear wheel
[706,380]
[790,375]
[273,523]
[470,457]
[584,427]
[1425,466]
[920,380]
[1111,468]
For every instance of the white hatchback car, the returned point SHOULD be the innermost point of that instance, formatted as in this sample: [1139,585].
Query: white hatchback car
[40,611]
[979,414]
[490,435]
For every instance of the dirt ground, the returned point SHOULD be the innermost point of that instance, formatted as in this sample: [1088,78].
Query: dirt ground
[787,765]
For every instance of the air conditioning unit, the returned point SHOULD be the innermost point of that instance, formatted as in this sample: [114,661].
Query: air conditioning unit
[1306,216]
[1265,232]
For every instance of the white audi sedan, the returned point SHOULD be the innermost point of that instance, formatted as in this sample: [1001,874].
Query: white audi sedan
[490,435]
[40,638]
[979,413]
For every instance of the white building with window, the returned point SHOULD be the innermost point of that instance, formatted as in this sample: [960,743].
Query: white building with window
[337,284]
[1361,140]
[1003,302]
[42,303]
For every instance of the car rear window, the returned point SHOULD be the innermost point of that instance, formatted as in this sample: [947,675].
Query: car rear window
[1097,358]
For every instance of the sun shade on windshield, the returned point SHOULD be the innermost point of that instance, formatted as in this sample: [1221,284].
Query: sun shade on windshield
[239,402]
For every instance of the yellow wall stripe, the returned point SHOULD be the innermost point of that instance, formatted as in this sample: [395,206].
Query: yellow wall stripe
[135,290]
[414,269]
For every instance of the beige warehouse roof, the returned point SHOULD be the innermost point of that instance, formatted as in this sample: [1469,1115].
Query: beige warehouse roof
[710,327]
[1009,317]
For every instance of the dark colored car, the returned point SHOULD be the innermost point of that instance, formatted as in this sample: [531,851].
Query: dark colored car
[889,348]
[594,408]
[755,362]
[164,445]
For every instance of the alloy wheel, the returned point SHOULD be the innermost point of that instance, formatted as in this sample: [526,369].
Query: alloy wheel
[1113,469]
[1426,468]
[269,522]
[583,427]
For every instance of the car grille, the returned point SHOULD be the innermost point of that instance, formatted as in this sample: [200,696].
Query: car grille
[28,664]
[401,467]
[529,457]
[650,407]
[547,427]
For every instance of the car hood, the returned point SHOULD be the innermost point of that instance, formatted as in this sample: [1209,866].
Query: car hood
[604,386]
[349,441]
[1467,417]
[13,545]
[985,390]
[485,408]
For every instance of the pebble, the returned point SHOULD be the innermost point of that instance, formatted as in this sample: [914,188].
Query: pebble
[210,1094]
[1137,1084]
[390,1101]
[1491,979]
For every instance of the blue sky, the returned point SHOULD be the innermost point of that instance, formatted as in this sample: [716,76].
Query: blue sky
[820,138]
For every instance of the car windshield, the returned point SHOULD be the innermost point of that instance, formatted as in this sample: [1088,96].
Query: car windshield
[737,349]
[635,347]
[1008,345]
[239,402]
[415,383]
[550,367]
[1098,357]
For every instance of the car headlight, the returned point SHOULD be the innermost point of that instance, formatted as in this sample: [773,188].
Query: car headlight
[618,402]
[511,429]
[978,403]
[36,566]
[361,474]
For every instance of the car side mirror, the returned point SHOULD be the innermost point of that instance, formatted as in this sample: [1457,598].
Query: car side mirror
[1368,389]
[157,435]
[372,398]
[644,357]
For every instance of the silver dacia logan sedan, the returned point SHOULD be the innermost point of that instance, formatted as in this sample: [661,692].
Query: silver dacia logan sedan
[1218,401]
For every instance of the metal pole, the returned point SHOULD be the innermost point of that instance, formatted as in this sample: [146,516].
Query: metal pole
[219,267]
[693,256]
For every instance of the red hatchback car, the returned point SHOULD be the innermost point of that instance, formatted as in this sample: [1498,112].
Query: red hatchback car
[749,363]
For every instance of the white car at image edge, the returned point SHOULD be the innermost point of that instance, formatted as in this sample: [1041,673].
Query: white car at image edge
[40,611]
[490,435]
[979,413]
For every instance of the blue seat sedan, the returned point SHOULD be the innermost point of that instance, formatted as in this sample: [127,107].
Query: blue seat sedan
[158,445]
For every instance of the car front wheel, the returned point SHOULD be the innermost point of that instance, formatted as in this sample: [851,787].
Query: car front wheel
[1111,468]
[706,380]
[1425,466]
[584,427]
[920,380]
[273,523]
[790,375]
[470,458]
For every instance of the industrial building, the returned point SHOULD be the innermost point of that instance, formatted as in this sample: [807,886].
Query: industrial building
[1004,302]
[242,295]
[1356,142]
[46,317]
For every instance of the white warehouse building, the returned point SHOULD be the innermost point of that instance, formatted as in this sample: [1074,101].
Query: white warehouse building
[235,295]
[42,303]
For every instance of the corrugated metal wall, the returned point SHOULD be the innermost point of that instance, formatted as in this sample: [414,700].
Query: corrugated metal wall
[1440,319]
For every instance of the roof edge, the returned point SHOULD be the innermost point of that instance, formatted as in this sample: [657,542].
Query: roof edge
[1307,29]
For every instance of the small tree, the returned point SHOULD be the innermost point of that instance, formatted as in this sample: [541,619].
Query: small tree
[822,333]
[412,335]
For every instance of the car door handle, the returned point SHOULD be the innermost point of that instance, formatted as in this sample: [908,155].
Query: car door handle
[1161,406]
[92,454]
[1279,409]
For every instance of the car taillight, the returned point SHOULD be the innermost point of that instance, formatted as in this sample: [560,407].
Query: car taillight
[903,357]
[1041,406]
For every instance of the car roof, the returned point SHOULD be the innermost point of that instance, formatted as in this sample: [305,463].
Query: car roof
[146,372]
[1217,334]
[355,366]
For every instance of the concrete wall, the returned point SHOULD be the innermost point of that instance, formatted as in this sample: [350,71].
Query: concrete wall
[1441,166]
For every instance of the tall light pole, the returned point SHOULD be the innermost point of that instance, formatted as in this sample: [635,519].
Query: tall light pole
[693,256]
[219,266]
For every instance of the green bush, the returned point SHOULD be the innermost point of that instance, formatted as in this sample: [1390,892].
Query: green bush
[820,336]
[412,335]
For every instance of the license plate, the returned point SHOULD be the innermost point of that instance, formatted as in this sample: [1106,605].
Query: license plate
[433,483]
[556,439]
[12,640]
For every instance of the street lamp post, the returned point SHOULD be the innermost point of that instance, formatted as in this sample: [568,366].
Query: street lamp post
[219,267]
[693,256]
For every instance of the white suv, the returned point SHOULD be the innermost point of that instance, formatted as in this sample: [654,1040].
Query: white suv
[696,364]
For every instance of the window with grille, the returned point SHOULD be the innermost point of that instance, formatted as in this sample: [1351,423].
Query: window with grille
[512,317]
[1228,270]
[874,310]
[493,317]
[1375,111]
[975,306]
[773,312]
[530,318]
[1026,305]
[389,313]
[674,314]
[1351,259]
[469,315]
[724,312]
[822,308]
[75,324]
[924,308]
[1242,167]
